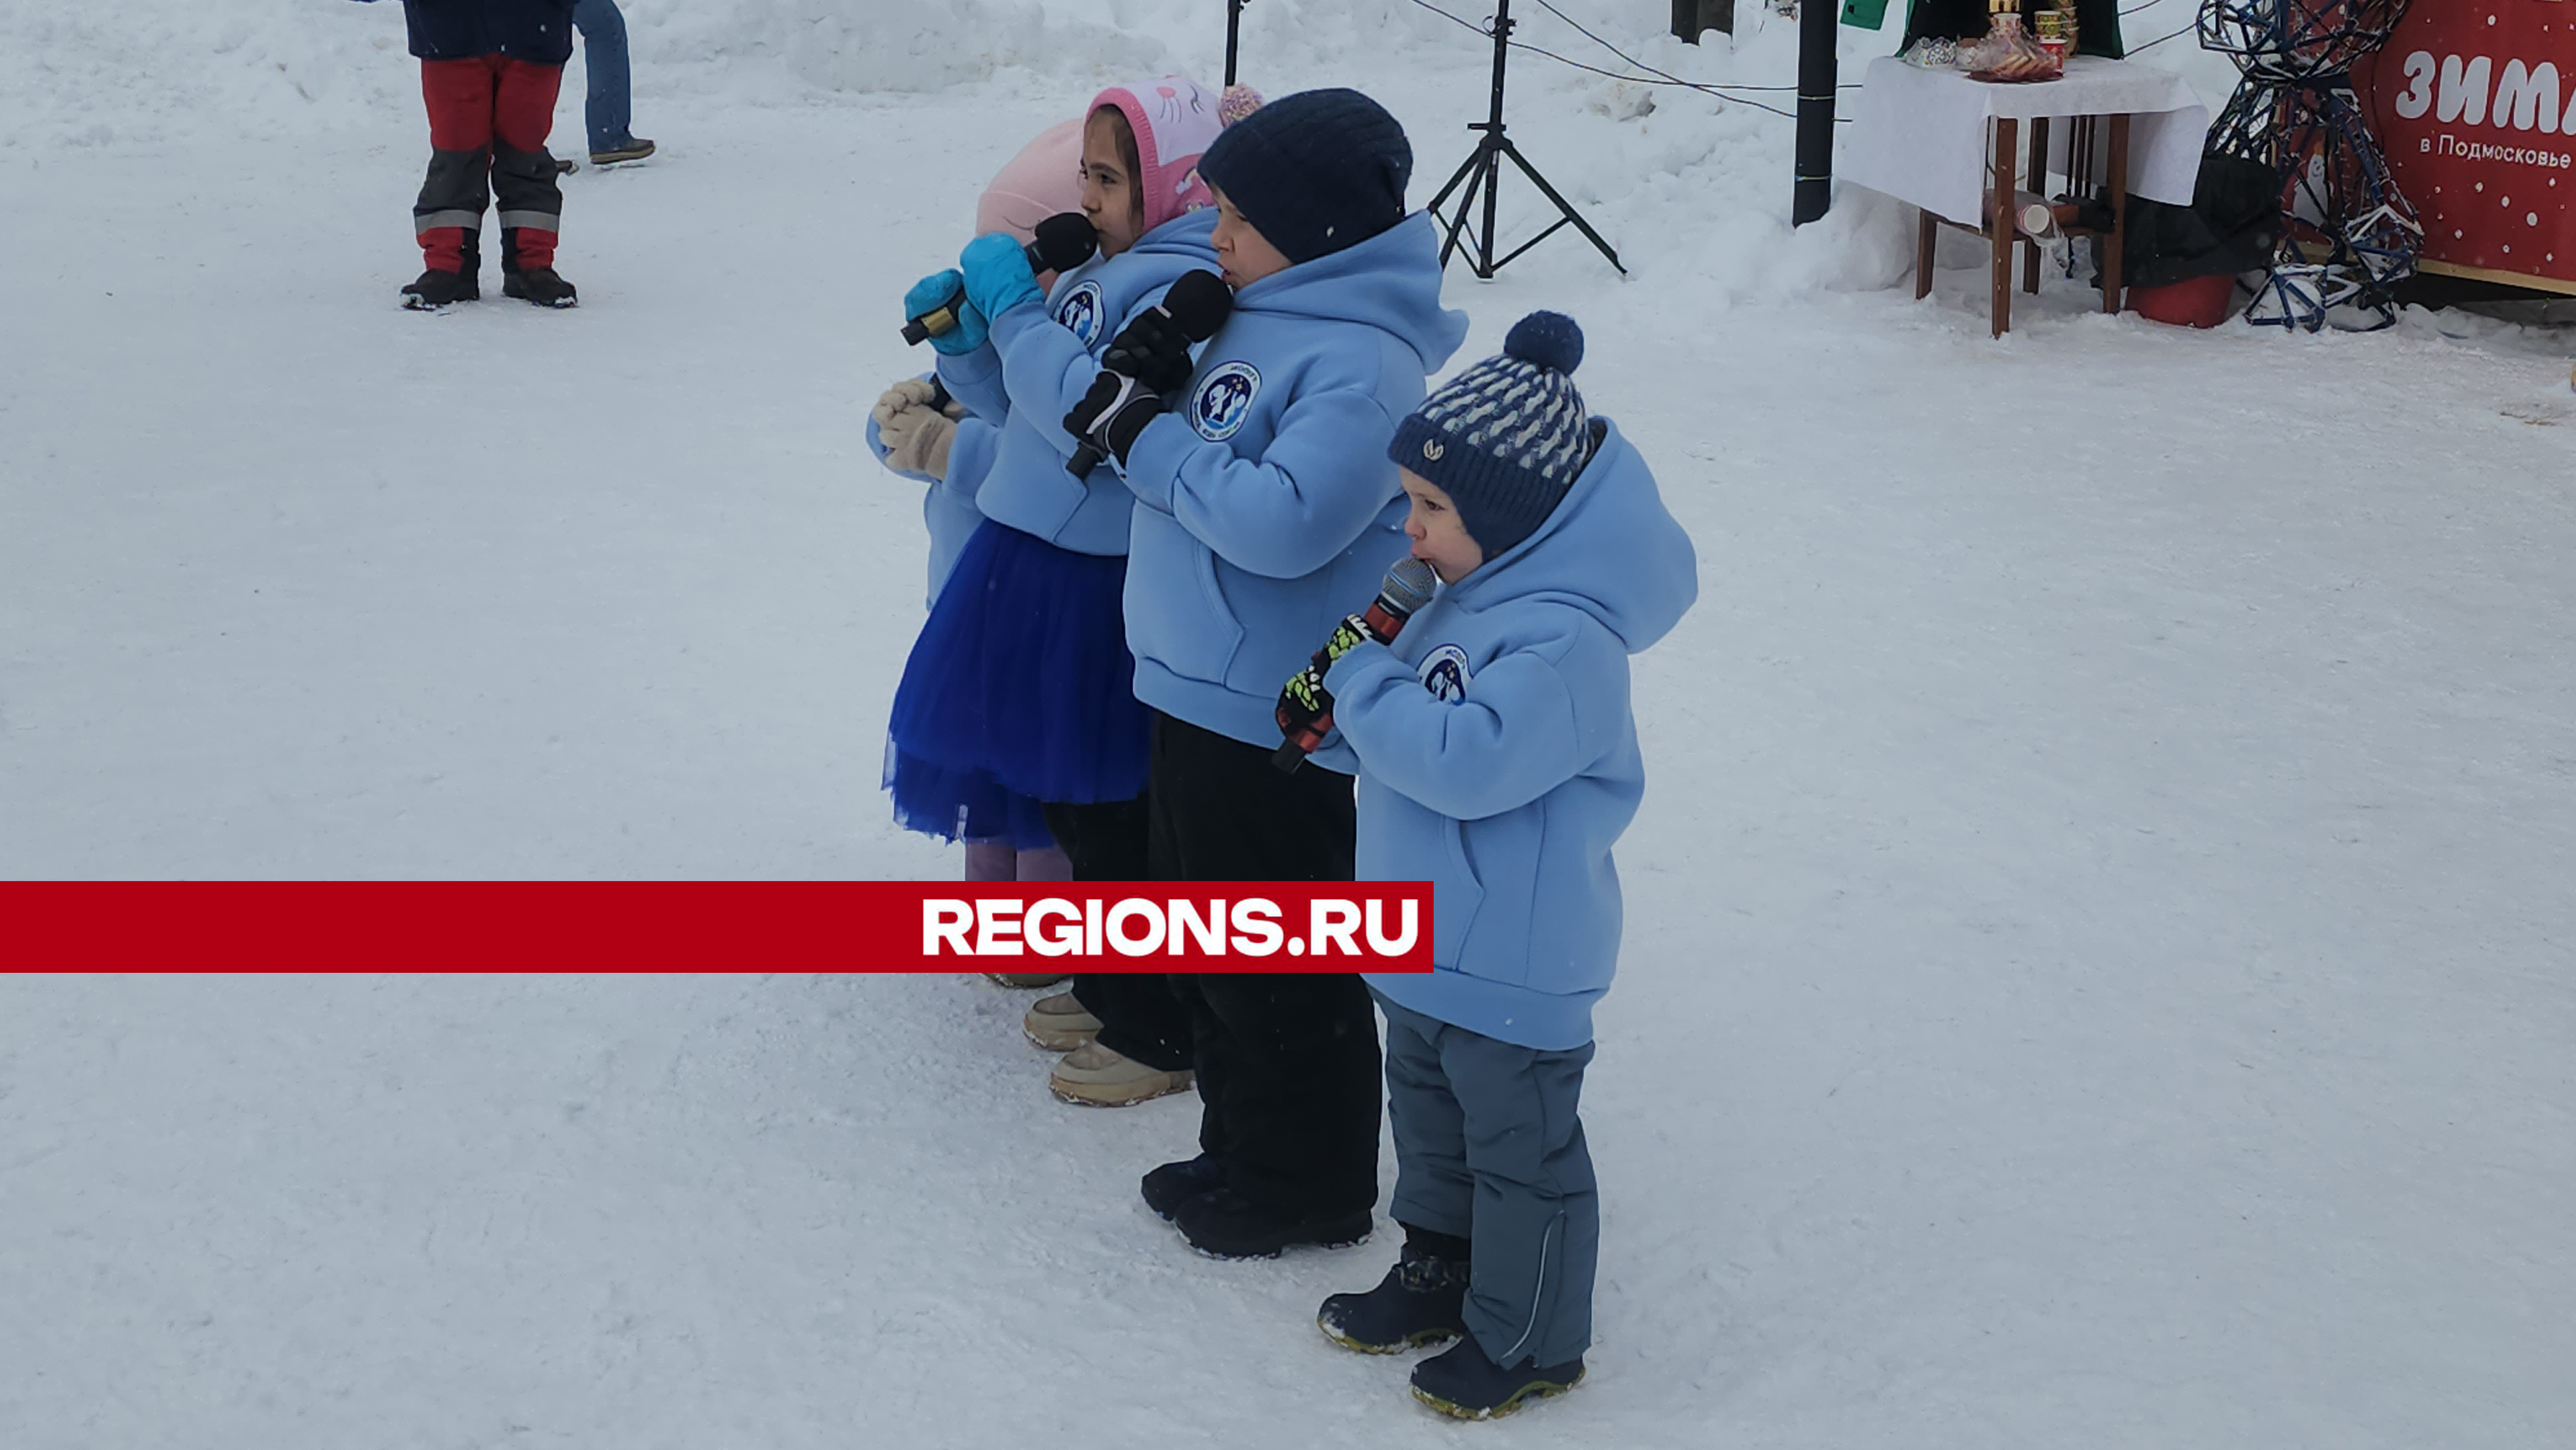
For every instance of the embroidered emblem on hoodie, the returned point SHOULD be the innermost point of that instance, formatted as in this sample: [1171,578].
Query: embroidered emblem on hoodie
[1224,401]
[1444,673]
[1080,313]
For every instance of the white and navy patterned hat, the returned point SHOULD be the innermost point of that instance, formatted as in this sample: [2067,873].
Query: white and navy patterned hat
[1508,438]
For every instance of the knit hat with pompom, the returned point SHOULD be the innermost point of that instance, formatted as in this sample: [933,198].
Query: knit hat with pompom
[1507,439]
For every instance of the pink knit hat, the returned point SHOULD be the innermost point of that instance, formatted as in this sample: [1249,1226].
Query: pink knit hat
[1174,119]
[1045,179]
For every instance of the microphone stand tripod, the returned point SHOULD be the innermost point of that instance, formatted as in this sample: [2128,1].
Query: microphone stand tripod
[1482,173]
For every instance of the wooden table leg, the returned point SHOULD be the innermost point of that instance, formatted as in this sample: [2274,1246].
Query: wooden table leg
[1999,226]
[2119,181]
[2039,188]
[1925,240]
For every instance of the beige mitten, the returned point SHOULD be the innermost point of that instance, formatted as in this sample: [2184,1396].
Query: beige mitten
[910,393]
[917,440]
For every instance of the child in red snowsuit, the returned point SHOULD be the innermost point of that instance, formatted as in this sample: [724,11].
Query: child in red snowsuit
[489,70]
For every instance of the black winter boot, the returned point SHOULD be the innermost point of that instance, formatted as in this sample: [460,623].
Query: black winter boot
[1463,1384]
[1422,1300]
[1223,1224]
[436,289]
[543,286]
[1174,1184]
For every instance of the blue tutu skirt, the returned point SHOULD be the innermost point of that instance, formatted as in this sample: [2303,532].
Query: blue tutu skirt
[1019,690]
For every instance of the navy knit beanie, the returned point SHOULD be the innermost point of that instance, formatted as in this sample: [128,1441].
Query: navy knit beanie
[1507,439]
[1314,172]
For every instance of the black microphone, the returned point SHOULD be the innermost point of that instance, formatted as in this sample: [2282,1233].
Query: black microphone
[1065,241]
[1198,304]
[1408,587]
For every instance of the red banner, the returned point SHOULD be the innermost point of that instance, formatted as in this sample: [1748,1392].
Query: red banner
[728,926]
[2475,102]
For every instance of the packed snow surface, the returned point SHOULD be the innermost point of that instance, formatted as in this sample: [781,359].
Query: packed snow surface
[2098,968]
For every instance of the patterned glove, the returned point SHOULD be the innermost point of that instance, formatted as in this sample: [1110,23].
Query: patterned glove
[948,289]
[1153,350]
[1112,414]
[997,274]
[1304,703]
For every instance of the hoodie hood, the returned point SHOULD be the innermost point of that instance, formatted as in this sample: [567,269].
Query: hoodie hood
[1175,121]
[1390,282]
[1610,549]
[1185,235]
[1044,180]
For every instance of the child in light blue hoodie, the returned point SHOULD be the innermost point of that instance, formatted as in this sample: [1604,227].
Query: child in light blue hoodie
[1020,685]
[1266,510]
[1497,754]
[919,432]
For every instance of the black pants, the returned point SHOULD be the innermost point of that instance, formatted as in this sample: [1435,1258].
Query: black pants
[1288,1067]
[1139,1016]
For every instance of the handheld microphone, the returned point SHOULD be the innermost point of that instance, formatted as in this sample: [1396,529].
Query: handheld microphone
[1064,241]
[1197,305]
[1408,587]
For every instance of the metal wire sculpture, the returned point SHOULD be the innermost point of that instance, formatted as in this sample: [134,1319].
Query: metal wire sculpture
[2348,235]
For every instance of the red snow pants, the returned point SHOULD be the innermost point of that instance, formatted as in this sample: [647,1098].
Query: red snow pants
[488,119]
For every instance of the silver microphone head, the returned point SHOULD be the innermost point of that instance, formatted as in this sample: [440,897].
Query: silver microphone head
[1409,585]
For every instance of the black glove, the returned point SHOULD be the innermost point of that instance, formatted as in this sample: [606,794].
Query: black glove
[1111,415]
[1153,350]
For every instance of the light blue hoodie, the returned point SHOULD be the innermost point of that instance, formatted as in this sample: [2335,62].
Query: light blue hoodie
[1039,364]
[1267,506]
[948,509]
[1499,759]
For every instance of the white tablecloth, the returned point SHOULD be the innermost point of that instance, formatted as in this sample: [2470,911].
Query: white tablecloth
[1920,135]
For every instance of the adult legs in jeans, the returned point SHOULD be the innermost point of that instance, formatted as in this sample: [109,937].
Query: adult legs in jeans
[1140,1019]
[611,108]
[1287,1062]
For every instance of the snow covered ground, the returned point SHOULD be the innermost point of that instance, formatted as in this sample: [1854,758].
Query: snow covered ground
[2099,964]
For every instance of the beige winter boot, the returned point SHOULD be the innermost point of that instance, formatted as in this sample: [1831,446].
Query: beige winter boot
[1025,979]
[1059,1023]
[1095,1077]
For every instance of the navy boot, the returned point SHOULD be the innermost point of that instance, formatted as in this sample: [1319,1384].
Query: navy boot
[1173,1184]
[1463,1384]
[1223,1224]
[1422,1300]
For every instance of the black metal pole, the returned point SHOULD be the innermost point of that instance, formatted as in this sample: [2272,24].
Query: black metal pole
[1494,128]
[1233,37]
[1817,72]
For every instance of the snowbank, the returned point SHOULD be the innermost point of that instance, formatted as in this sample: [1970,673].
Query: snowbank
[1687,184]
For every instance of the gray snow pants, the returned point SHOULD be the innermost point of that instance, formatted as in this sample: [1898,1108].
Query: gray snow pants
[1488,1148]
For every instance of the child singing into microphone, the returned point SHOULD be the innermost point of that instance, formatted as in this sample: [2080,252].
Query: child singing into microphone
[1266,511]
[1497,755]
[1020,684]
[917,431]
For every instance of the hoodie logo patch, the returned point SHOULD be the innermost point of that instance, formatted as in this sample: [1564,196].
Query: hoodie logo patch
[1224,401]
[1080,312]
[1444,673]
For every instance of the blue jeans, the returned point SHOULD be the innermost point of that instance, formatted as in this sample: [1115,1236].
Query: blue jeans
[612,96]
